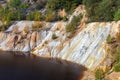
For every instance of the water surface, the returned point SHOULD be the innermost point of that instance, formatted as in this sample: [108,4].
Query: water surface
[23,66]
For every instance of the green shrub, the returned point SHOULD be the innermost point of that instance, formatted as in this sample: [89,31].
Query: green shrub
[1,11]
[63,4]
[117,56]
[15,3]
[101,10]
[109,39]
[24,5]
[117,60]
[54,36]
[72,26]
[53,4]
[117,15]
[41,4]
[10,15]
[16,10]
[52,16]
[37,15]
[13,11]
[30,16]
[98,75]
[64,18]
[13,15]
[117,67]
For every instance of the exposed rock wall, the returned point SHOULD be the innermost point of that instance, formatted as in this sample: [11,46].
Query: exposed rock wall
[21,37]
[87,47]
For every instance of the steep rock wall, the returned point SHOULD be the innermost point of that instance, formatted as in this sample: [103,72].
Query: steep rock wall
[87,47]
[21,37]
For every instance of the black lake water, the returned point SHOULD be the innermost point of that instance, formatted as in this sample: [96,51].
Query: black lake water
[23,66]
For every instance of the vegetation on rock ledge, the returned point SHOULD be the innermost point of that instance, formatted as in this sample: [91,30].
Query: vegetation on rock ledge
[72,26]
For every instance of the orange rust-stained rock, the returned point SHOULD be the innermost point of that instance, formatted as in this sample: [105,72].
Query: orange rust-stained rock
[62,13]
[10,42]
[23,34]
[33,36]
[60,26]
[15,29]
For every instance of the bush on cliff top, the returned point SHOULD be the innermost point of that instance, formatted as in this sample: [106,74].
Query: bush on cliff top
[97,10]
[68,5]
[117,15]
[15,3]
[102,10]
[72,26]
[52,16]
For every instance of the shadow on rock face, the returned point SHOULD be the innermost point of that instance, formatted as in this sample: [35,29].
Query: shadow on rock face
[19,67]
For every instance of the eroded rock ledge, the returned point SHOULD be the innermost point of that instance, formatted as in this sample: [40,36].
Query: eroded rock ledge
[22,37]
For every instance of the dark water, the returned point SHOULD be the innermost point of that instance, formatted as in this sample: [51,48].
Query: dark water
[23,66]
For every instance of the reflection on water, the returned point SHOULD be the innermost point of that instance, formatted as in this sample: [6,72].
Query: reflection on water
[22,67]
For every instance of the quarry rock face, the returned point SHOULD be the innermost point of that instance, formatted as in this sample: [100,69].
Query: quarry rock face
[87,46]
[21,37]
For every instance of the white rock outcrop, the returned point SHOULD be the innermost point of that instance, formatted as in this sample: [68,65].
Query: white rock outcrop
[87,47]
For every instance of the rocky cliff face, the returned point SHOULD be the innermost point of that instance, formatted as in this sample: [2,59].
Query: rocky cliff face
[21,36]
[86,47]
